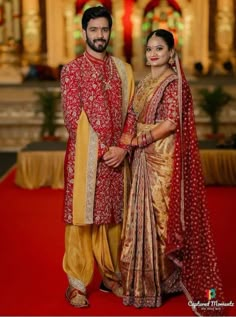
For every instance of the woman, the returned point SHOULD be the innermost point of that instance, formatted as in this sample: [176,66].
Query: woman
[167,243]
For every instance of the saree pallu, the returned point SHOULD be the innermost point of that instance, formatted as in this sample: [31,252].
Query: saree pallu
[147,273]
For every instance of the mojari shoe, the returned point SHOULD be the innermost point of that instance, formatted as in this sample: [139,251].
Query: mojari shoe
[111,286]
[76,298]
[104,289]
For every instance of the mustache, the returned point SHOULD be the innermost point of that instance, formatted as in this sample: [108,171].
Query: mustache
[99,40]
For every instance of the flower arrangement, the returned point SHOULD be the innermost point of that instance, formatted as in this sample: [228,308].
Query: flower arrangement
[212,103]
[47,105]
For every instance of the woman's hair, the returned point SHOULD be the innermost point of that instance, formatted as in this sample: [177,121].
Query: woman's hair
[165,35]
[94,13]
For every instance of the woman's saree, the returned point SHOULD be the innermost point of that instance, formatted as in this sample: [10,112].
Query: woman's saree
[167,241]
[148,272]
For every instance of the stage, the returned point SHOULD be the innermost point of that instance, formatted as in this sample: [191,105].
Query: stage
[41,164]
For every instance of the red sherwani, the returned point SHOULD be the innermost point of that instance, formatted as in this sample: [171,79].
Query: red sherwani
[84,83]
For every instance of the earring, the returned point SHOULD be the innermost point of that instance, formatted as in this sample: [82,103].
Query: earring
[171,61]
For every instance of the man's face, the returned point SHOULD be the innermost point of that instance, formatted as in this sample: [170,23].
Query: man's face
[97,34]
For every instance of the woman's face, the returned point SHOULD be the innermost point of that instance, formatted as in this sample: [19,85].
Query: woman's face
[157,51]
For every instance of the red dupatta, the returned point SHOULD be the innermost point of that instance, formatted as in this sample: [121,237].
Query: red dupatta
[189,238]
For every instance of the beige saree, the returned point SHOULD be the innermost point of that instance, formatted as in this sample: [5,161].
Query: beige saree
[147,272]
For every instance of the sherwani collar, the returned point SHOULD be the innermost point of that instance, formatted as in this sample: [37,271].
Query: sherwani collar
[95,59]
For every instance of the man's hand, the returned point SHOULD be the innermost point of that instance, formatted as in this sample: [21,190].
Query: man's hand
[115,156]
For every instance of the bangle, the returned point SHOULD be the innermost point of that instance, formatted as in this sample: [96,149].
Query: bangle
[141,140]
[142,143]
[149,137]
[146,139]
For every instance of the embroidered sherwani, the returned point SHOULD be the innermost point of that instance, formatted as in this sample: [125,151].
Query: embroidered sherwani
[96,95]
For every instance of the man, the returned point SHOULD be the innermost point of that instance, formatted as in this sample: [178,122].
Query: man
[96,91]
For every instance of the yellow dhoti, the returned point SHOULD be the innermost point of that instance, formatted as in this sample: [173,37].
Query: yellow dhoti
[83,245]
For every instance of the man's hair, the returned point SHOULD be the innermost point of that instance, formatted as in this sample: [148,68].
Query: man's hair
[94,13]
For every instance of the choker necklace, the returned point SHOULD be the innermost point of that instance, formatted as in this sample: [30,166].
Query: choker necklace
[160,76]
[106,83]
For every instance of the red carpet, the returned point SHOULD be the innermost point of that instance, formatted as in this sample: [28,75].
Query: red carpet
[32,282]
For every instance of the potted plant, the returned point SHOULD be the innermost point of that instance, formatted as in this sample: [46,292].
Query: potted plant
[212,102]
[47,105]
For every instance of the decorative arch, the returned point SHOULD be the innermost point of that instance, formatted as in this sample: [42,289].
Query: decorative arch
[149,15]
[192,22]
[165,15]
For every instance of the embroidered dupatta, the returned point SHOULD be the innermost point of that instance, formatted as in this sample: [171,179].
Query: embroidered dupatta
[189,236]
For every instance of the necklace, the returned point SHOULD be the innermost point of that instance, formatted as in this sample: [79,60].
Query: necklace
[146,90]
[160,77]
[106,83]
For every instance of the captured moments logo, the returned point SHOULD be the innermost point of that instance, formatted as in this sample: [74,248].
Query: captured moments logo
[210,293]
[212,302]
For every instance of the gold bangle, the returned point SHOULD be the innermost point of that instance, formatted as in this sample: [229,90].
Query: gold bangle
[150,137]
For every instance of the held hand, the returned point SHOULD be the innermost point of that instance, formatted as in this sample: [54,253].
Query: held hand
[115,156]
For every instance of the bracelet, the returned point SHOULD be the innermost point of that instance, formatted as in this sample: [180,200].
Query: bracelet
[150,137]
[146,139]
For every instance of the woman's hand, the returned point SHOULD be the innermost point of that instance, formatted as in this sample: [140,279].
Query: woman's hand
[134,141]
[126,139]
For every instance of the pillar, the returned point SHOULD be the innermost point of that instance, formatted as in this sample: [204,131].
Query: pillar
[200,35]
[118,28]
[60,41]
[69,14]
[31,28]
[224,35]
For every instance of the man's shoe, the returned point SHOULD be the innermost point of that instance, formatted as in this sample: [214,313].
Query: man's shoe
[76,298]
[114,287]
[104,289]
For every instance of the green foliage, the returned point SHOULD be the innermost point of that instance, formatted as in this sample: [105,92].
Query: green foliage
[47,104]
[212,102]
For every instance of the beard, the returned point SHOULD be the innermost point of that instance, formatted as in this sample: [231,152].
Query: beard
[99,48]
